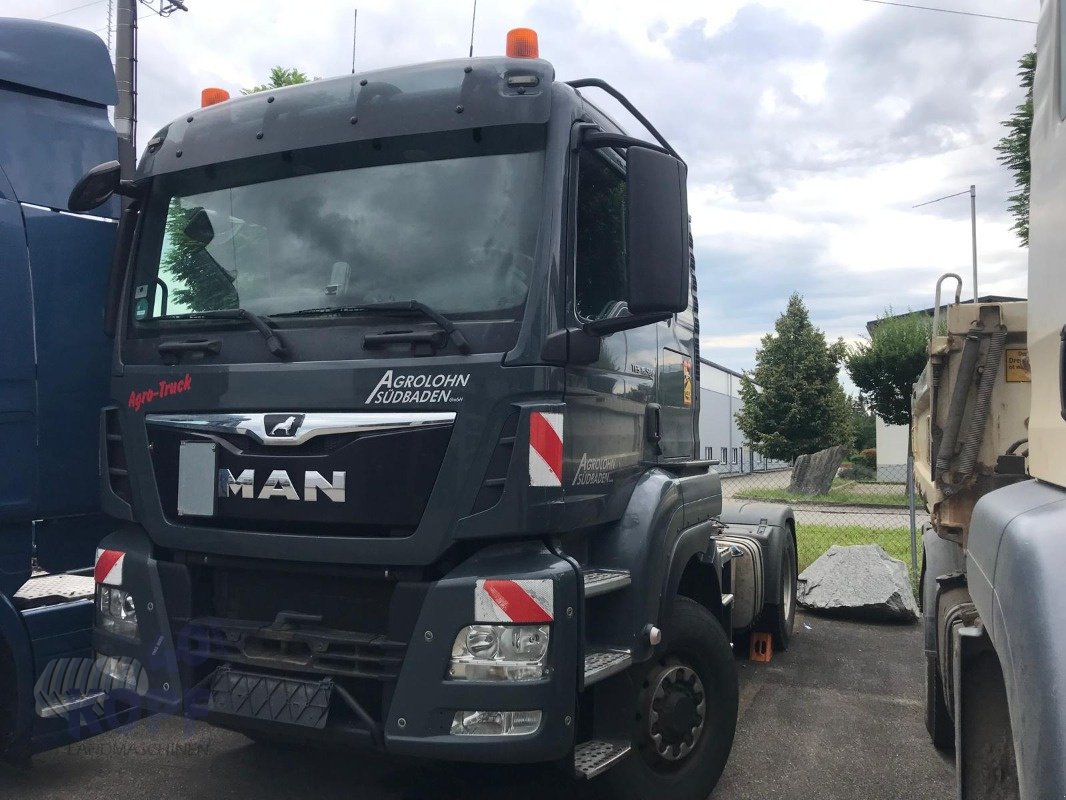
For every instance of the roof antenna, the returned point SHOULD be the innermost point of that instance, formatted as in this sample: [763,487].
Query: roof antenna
[473,19]
[355,28]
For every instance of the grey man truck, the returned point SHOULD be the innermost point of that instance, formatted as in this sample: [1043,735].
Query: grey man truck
[990,450]
[406,380]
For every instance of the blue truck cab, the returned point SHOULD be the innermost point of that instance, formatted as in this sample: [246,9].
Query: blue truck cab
[56,83]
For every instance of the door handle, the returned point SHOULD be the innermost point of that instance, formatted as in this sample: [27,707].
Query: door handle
[653,422]
[171,351]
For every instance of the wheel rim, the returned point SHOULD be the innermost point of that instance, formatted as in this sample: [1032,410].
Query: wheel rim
[675,710]
[789,587]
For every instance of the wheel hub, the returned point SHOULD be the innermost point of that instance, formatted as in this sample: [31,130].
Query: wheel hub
[676,707]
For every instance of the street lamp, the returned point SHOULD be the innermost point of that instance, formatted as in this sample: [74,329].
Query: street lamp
[972,191]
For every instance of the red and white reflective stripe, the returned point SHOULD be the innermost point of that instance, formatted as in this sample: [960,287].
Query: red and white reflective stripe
[109,567]
[522,601]
[545,448]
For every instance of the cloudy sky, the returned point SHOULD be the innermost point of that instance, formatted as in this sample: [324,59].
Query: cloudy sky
[810,126]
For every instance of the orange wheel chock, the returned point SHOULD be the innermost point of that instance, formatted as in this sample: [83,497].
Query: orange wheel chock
[762,647]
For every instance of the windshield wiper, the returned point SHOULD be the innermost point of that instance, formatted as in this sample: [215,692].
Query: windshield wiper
[401,307]
[274,342]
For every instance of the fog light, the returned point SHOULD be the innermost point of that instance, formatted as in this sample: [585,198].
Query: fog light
[500,653]
[495,723]
[116,611]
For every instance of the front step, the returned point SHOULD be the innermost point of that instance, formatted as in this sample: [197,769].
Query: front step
[602,581]
[600,664]
[596,757]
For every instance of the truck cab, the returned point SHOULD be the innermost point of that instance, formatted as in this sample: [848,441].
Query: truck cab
[405,376]
[56,83]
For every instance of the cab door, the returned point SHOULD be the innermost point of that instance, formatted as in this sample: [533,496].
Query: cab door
[605,400]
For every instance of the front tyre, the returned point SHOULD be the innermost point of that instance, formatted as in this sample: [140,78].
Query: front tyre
[686,712]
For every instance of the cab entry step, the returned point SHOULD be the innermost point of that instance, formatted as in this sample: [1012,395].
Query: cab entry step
[596,757]
[602,581]
[600,664]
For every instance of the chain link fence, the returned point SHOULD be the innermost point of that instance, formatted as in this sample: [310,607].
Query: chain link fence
[863,506]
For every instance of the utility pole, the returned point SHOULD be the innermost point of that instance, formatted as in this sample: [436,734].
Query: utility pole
[126,76]
[126,82]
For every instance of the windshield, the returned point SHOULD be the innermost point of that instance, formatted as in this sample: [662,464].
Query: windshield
[458,234]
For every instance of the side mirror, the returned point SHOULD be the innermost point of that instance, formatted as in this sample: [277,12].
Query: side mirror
[95,187]
[657,232]
[199,227]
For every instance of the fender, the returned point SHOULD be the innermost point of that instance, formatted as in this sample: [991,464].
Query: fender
[939,557]
[1015,552]
[155,650]
[14,740]
[768,524]
[652,542]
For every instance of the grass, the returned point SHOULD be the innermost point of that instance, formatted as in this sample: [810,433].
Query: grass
[842,493]
[813,540]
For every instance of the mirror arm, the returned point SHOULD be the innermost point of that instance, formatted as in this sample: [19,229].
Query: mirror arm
[603,327]
[130,189]
[578,134]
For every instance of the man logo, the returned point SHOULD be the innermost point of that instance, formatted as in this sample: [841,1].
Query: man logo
[282,425]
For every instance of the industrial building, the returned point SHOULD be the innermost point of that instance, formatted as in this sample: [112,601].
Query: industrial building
[720,438]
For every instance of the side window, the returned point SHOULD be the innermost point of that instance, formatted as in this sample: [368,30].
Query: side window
[601,241]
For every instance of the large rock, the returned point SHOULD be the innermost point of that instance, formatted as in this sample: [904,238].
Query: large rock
[813,474]
[862,581]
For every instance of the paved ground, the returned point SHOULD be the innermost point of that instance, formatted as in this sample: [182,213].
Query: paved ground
[837,716]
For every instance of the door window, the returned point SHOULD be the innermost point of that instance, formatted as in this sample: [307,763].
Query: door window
[600,283]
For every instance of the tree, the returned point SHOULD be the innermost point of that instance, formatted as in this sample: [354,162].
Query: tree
[885,368]
[793,403]
[863,425]
[1013,149]
[280,76]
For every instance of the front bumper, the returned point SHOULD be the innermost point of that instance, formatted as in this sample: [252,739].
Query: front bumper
[401,702]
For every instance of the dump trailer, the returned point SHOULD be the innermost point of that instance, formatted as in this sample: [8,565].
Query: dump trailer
[56,83]
[989,438]
[405,387]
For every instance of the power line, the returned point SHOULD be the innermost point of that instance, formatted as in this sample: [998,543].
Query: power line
[951,11]
[67,11]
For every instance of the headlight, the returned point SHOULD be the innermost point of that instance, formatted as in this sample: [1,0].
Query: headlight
[500,653]
[495,723]
[116,611]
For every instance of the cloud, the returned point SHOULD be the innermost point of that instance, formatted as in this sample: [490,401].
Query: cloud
[810,129]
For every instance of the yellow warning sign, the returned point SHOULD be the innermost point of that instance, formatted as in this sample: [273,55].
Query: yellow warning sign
[687,391]
[1018,370]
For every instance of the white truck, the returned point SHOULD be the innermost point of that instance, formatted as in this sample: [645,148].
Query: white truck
[989,439]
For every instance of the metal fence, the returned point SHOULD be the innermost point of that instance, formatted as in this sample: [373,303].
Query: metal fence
[855,510]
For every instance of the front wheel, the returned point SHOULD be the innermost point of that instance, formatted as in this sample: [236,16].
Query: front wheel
[686,712]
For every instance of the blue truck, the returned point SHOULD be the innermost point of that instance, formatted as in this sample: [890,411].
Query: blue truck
[56,83]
